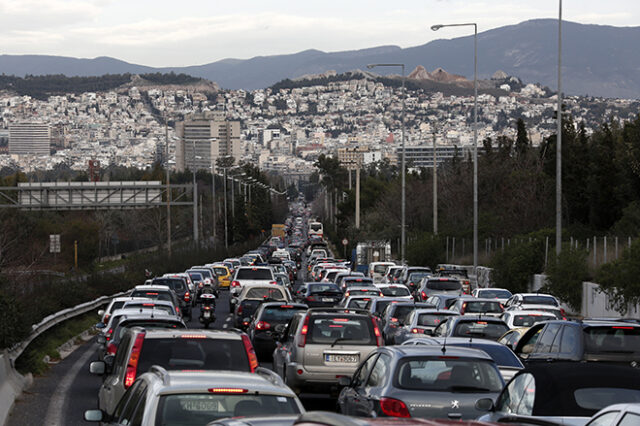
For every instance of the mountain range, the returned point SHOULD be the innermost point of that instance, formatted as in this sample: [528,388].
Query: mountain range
[598,60]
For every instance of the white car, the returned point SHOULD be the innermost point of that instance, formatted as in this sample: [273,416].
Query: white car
[377,270]
[397,291]
[525,318]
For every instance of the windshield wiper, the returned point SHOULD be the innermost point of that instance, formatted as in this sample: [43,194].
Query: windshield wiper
[337,340]
[463,388]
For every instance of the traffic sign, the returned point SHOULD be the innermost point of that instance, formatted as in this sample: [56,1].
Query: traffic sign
[345,241]
[54,243]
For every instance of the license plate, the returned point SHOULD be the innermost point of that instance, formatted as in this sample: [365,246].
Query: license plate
[346,359]
[327,299]
[207,314]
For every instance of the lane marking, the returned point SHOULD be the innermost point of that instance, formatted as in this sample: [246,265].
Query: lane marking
[54,415]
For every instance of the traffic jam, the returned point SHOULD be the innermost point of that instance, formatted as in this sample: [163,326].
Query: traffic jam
[289,333]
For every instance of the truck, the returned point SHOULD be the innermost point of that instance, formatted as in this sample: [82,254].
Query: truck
[277,230]
[370,251]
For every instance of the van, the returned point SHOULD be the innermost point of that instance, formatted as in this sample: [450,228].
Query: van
[377,270]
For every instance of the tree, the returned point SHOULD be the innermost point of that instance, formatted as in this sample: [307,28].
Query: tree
[522,139]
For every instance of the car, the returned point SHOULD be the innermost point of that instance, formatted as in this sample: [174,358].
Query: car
[161,397]
[161,292]
[377,270]
[442,301]
[252,296]
[501,294]
[507,362]
[270,318]
[537,302]
[146,304]
[320,294]
[397,291]
[207,273]
[359,291]
[406,271]
[420,381]
[342,275]
[249,275]
[141,348]
[358,302]
[583,341]
[379,304]
[190,284]
[510,338]
[322,344]
[394,317]
[431,286]
[469,327]
[458,273]
[356,281]
[332,274]
[421,322]
[566,393]
[283,280]
[223,274]
[617,415]
[390,276]
[468,305]
[522,318]
[116,303]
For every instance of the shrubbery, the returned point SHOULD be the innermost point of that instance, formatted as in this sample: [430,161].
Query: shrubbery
[426,250]
[565,275]
[514,267]
[621,278]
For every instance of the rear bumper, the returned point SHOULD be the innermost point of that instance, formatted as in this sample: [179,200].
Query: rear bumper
[298,377]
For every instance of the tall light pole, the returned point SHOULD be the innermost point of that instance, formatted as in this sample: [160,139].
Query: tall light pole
[403,201]
[226,234]
[213,202]
[195,197]
[435,186]
[559,140]
[475,134]
[166,156]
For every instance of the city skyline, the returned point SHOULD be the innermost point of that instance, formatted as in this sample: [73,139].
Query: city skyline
[199,32]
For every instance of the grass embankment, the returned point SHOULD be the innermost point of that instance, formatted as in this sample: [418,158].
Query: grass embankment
[31,360]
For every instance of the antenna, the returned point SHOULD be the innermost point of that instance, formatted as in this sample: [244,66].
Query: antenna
[444,345]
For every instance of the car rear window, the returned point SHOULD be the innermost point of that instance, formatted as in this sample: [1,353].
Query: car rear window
[265,293]
[431,319]
[397,291]
[529,320]
[254,274]
[205,273]
[196,276]
[151,306]
[349,330]
[446,374]
[494,294]
[479,328]
[597,398]
[200,409]
[540,300]
[193,354]
[160,295]
[176,285]
[402,312]
[363,292]
[444,285]
[357,281]
[473,306]
[502,355]
[380,269]
[417,276]
[360,303]
[612,339]
[148,324]
[320,288]
[220,271]
[280,314]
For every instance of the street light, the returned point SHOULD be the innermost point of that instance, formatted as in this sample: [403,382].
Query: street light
[559,140]
[403,196]
[475,134]
[195,197]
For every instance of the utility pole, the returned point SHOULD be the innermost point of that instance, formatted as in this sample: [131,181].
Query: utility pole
[226,233]
[195,197]
[166,159]
[435,187]
[559,140]
[358,196]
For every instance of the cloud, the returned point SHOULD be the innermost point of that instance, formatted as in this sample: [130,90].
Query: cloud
[41,14]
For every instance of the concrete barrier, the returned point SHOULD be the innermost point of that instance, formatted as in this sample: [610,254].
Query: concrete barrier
[12,384]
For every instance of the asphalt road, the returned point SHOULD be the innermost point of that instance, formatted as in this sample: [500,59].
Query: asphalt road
[61,396]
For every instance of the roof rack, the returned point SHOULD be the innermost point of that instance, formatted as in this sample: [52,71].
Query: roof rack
[160,371]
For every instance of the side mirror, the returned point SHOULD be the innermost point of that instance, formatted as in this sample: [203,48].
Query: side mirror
[484,404]
[93,416]
[101,340]
[98,367]
[100,325]
[344,381]
[101,312]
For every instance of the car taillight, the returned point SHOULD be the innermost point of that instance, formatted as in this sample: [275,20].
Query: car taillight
[228,390]
[200,284]
[394,407]
[423,295]
[417,331]
[187,297]
[235,283]
[251,353]
[303,332]
[311,298]
[273,282]
[239,309]
[111,349]
[207,308]
[262,325]
[132,365]
[108,334]
[376,331]
[106,319]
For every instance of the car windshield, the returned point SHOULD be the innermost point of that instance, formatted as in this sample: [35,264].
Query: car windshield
[527,320]
[351,330]
[396,291]
[446,374]
[265,293]
[540,300]
[254,274]
[482,307]
[479,328]
[193,353]
[444,285]
[200,409]
[320,288]
[431,319]
[280,314]
[612,339]
[494,294]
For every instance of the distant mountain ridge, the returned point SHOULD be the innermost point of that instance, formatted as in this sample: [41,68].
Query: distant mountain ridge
[598,60]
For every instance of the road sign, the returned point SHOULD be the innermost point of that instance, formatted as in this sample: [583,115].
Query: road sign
[345,241]
[54,243]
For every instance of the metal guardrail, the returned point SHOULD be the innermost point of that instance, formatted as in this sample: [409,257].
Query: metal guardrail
[55,319]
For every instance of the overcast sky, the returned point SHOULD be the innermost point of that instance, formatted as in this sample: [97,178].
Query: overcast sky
[191,32]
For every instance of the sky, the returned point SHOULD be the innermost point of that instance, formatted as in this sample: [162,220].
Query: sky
[193,32]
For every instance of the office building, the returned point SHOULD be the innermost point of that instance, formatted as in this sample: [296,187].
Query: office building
[30,138]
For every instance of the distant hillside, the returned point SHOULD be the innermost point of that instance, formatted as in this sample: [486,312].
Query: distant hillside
[43,86]
[598,60]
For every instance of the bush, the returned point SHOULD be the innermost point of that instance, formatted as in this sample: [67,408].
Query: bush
[514,267]
[565,275]
[620,279]
[426,250]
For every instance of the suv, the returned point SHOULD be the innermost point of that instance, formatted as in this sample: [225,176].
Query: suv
[252,296]
[269,319]
[172,350]
[603,341]
[162,397]
[249,275]
[180,287]
[432,286]
[320,345]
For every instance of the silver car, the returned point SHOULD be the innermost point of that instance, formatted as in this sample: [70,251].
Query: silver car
[320,345]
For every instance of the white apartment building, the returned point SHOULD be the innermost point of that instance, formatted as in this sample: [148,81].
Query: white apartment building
[30,138]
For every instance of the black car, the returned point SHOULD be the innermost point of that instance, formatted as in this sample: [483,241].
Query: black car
[269,319]
[317,295]
[181,289]
[394,318]
[585,341]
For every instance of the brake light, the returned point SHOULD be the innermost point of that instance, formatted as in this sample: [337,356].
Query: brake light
[423,295]
[227,390]
[303,332]
[622,328]
[273,282]
[464,307]
[235,283]
[111,349]
[239,309]
[394,407]
[251,353]
[286,306]
[108,334]
[340,320]
[207,308]
[200,284]
[376,331]
[262,325]
[152,294]
[148,304]
[417,331]
[193,336]
[187,297]
[132,365]
[394,320]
